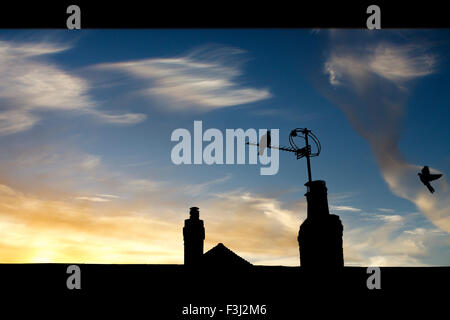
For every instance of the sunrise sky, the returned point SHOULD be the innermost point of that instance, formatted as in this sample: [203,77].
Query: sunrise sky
[86,118]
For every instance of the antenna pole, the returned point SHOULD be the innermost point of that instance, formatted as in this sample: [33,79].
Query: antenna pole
[308,163]
[299,152]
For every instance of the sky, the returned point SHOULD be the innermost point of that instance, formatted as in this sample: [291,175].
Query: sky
[86,118]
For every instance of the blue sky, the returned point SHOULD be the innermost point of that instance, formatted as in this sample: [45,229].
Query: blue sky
[86,119]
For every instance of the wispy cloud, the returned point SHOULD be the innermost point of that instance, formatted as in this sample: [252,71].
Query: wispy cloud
[345,208]
[15,121]
[125,118]
[389,244]
[390,218]
[30,83]
[90,162]
[110,196]
[370,85]
[401,63]
[93,199]
[204,79]
[205,187]
[98,198]
[415,231]
[386,210]
[136,164]
[397,63]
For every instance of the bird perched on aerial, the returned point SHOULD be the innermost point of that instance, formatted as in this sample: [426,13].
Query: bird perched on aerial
[264,142]
[426,177]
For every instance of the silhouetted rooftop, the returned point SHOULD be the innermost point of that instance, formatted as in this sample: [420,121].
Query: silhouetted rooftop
[222,256]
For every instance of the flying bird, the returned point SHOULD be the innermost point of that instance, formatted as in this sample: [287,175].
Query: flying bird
[264,142]
[426,177]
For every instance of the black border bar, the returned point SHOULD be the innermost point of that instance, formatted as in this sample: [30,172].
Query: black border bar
[223,14]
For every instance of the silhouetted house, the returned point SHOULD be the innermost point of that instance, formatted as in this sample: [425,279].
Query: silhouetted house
[320,235]
[221,256]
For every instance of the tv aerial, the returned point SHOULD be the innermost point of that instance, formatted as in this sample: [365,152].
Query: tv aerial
[305,151]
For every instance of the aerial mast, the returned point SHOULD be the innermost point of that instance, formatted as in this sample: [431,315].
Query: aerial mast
[307,135]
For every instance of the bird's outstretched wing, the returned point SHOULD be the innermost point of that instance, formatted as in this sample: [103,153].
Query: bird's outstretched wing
[433,177]
[428,185]
[426,171]
[262,144]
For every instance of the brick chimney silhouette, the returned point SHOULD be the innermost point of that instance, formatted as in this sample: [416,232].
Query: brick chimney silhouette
[194,235]
[320,235]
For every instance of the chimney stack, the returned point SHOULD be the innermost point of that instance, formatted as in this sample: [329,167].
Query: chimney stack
[320,235]
[194,235]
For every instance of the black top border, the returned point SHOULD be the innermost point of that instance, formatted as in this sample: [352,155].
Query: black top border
[221,14]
